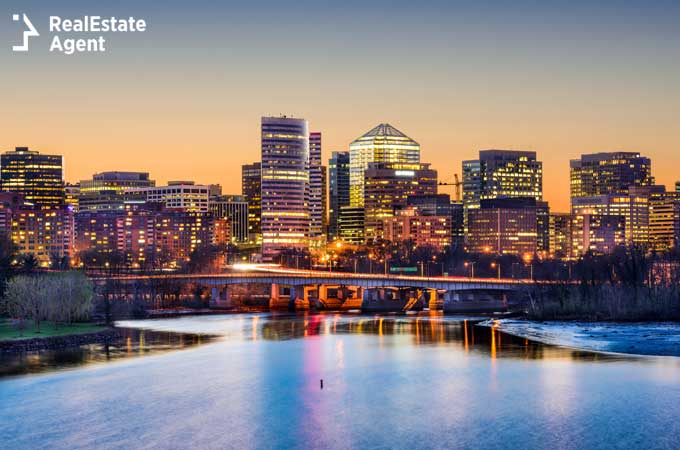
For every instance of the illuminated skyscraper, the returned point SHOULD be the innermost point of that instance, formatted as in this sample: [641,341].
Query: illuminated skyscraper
[251,188]
[502,174]
[387,188]
[506,174]
[383,144]
[285,185]
[338,188]
[609,173]
[39,178]
[317,187]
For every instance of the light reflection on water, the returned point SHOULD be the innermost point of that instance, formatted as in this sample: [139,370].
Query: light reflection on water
[416,381]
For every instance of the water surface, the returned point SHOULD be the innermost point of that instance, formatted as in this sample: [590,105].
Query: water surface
[389,382]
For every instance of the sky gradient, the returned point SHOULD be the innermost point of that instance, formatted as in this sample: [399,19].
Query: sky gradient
[184,99]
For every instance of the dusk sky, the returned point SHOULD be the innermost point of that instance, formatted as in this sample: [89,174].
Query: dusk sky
[184,99]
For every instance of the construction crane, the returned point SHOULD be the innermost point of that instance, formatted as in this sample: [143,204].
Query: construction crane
[456,183]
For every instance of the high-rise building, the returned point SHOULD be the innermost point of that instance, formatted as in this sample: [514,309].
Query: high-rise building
[338,189]
[235,209]
[317,187]
[285,185]
[387,187]
[251,188]
[182,195]
[609,173]
[382,144]
[105,191]
[633,206]
[502,174]
[38,177]
[503,226]
[506,174]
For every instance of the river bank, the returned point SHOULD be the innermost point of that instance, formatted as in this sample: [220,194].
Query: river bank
[55,338]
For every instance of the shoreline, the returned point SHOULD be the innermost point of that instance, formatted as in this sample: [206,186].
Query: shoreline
[105,336]
[637,338]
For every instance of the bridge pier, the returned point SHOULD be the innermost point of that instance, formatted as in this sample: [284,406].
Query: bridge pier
[220,298]
[299,297]
[390,299]
[474,301]
[276,301]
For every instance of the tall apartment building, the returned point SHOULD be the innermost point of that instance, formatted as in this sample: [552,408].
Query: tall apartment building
[38,177]
[338,190]
[387,187]
[285,185]
[251,188]
[382,144]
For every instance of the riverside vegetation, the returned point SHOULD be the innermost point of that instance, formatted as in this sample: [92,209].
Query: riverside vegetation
[629,285]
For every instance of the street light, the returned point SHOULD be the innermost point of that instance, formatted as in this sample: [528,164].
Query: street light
[495,265]
[472,267]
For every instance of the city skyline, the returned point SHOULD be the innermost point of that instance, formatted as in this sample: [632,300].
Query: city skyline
[610,86]
[557,194]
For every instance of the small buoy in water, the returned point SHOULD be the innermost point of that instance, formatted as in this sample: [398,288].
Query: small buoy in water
[321,383]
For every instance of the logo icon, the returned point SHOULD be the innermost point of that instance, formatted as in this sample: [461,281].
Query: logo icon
[28,33]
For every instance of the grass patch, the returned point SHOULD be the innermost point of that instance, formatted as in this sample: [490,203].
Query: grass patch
[47,329]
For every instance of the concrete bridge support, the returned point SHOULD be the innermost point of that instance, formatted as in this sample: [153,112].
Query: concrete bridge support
[220,298]
[299,297]
[279,301]
[475,301]
[389,299]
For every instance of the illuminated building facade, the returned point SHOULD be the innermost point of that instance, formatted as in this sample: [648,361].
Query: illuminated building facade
[411,224]
[38,177]
[441,205]
[285,185]
[664,222]
[251,188]
[503,226]
[597,234]
[317,188]
[609,174]
[44,233]
[234,208]
[560,235]
[351,224]
[502,174]
[184,195]
[505,174]
[106,190]
[338,189]
[382,144]
[387,187]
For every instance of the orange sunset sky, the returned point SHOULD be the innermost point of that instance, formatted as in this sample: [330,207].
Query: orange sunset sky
[184,102]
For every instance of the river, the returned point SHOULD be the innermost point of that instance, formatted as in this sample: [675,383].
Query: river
[253,381]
